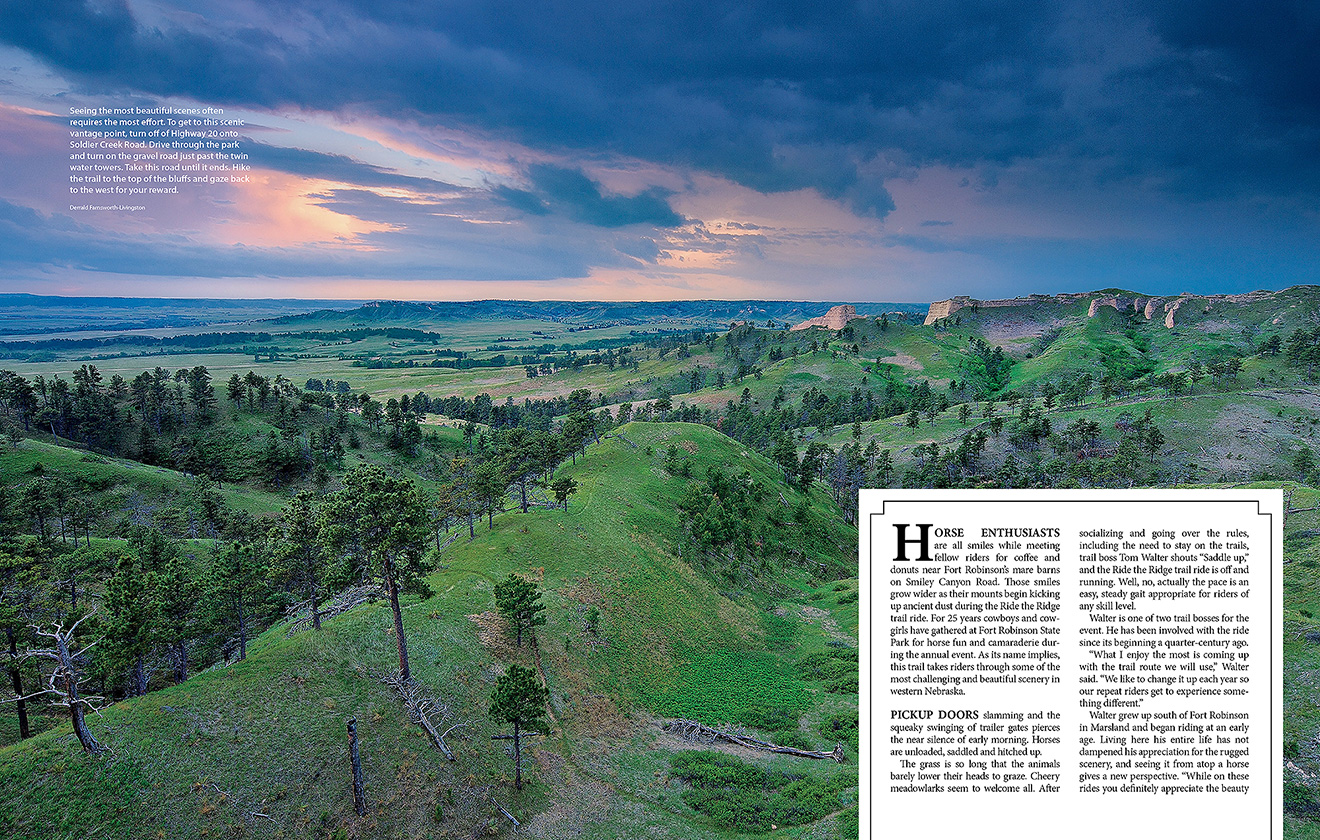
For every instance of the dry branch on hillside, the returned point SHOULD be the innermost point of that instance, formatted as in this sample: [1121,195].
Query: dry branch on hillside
[301,613]
[421,708]
[691,730]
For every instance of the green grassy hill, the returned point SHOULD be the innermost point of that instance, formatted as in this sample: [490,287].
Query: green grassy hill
[115,480]
[729,597]
[258,748]
[1301,665]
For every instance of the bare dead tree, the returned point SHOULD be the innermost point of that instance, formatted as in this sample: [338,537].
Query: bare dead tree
[691,730]
[506,813]
[422,708]
[473,799]
[62,682]
[441,546]
[301,613]
[359,793]
[252,814]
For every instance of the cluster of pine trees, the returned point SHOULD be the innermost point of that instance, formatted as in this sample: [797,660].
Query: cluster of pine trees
[172,418]
[160,608]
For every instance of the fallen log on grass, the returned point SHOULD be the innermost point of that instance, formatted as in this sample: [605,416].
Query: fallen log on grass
[692,730]
[503,811]
[301,613]
[420,707]
[449,540]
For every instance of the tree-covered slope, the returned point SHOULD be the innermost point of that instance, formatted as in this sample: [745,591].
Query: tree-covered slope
[686,623]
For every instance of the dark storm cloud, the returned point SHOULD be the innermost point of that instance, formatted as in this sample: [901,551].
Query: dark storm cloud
[1193,98]
[331,167]
[428,247]
[1271,45]
[521,200]
[571,193]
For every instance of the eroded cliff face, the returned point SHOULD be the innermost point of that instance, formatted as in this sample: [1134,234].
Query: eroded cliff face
[944,308]
[836,319]
[1149,307]
[1122,303]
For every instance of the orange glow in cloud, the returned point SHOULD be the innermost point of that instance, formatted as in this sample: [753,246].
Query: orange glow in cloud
[719,200]
[689,259]
[694,250]
[601,284]
[732,227]
[474,157]
[31,112]
[692,284]
[280,210]
[612,284]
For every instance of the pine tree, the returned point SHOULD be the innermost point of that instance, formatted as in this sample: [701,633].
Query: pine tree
[382,520]
[489,485]
[22,598]
[1303,462]
[371,412]
[1154,439]
[518,600]
[462,491]
[563,488]
[133,613]
[178,594]
[299,552]
[200,391]
[884,467]
[785,454]
[235,390]
[522,455]
[236,588]
[35,503]
[519,699]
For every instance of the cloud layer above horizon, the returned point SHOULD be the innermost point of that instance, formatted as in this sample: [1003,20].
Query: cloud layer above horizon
[860,151]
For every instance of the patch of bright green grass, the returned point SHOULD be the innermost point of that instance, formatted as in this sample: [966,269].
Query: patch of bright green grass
[747,687]
[745,797]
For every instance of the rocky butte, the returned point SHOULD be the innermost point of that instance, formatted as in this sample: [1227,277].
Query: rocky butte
[836,319]
[1150,307]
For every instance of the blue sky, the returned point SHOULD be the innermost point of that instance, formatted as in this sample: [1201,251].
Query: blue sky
[902,151]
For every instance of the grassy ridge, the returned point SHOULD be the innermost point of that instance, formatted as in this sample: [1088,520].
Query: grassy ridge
[675,638]
[265,736]
[120,477]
